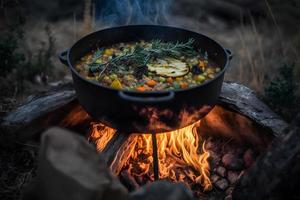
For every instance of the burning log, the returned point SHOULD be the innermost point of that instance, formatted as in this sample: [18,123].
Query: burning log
[276,174]
[111,149]
[123,154]
[182,144]
[69,168]
[128,181]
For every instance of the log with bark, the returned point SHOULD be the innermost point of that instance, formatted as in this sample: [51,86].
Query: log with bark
[111,149]
[59,107]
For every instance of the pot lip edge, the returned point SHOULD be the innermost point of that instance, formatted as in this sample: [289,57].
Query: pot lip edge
[219,75]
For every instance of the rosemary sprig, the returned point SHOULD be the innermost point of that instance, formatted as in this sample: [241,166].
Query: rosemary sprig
[141,56]
[96,55]
[160,49]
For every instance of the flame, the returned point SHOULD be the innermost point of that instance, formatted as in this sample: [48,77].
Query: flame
[181,153]
[74,117]
[159,119]
[101,135]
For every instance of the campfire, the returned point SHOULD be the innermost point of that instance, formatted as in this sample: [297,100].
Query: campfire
[209,157]
[145,111]
[182,156]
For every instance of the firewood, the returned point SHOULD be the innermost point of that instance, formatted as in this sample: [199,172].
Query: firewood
[128,180]
[113,146]
[53,107]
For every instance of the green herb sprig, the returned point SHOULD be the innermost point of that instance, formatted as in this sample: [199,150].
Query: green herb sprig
[141,56]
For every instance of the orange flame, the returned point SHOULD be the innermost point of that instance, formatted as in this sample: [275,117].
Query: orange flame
[180,158]
[101,135]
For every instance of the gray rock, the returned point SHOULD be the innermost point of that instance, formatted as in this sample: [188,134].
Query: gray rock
[221,171]
[214,178]
[248,158]
[228,149]
[162,190]
[241,174]
[232,176]
[232,162]
[210,144]
[239,151]
[221,184]
[70,168]
[214,158]
[229,190]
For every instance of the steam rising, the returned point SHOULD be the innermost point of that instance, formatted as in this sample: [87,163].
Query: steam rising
[124,12]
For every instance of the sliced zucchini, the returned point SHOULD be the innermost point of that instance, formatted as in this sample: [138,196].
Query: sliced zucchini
[169,67]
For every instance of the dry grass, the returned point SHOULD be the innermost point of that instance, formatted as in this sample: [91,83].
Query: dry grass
[261,51]
[17,168]
[260,55]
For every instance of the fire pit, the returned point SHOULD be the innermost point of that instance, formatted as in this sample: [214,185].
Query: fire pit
[209,156]
[142,159]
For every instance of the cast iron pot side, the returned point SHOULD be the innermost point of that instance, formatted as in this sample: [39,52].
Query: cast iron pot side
[153,111]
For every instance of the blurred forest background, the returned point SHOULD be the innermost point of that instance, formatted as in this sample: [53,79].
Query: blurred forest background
[263,34]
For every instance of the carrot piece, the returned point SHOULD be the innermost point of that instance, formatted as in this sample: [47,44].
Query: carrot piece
[170,80]
[184,85]
[151,83]
[141,88]
[201,64]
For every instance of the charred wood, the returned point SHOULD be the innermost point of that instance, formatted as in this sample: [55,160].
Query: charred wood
[128,180]
[111,149]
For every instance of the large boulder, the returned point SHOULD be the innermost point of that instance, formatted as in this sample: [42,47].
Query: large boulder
[70,168]
[162,190]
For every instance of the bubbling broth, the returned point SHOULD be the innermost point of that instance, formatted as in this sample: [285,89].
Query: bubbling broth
[148,66]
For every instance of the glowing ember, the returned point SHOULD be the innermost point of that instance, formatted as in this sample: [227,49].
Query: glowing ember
[182,155]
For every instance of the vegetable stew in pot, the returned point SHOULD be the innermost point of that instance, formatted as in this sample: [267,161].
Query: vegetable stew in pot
[148,66]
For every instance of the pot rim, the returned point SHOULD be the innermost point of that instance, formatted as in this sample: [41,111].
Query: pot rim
[227,52]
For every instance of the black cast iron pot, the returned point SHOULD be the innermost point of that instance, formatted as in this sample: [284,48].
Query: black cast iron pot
[153,111]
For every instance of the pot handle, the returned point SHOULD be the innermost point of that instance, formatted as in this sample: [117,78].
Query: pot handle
[63,57]
[229,54]
[150,99]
